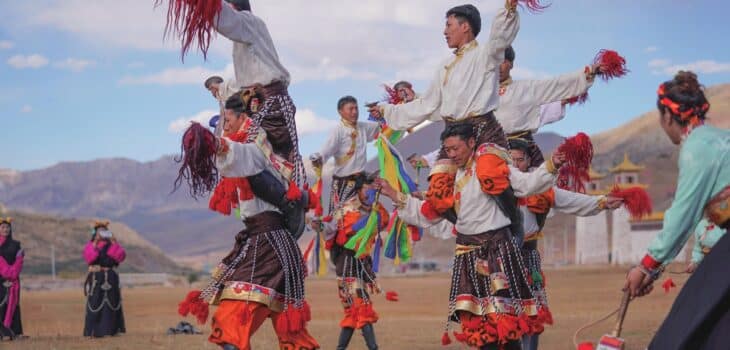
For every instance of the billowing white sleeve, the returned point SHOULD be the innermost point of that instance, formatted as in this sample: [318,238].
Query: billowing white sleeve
[577,203]
[528,183]
[411,213]
[407,115]
[443,229]
[551,113]
[432,157]
[329,149]
[505,25]
[554,89]
[241,160]
[239,26]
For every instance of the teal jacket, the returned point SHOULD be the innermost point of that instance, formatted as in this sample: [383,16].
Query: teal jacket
[704,170]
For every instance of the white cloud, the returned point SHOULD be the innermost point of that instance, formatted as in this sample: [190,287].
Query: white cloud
[26,109]
[74,64]
[328,71]
[6,44]
[651,49]
[383,38]
[659,63]
[177,76]
[180,124]
[665,67]
[309,122]
[702,66]
[30,61]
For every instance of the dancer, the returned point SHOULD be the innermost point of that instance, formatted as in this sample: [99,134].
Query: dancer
[103,254]
[490,295]
[535,211]
[263,275]
[700,316]
[356,280]
[347,145]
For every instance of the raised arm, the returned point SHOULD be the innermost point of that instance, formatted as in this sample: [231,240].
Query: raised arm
[564,86]
[328,150]
[241,159]
[407,115]
[505,25]
[240,26]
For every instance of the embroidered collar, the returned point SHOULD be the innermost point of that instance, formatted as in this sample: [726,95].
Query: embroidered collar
[470,45]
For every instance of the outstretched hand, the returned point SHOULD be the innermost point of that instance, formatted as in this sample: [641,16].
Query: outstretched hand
[385,188]
[613,202]
[374,111]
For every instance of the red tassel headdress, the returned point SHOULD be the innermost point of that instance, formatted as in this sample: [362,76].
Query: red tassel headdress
[192,21]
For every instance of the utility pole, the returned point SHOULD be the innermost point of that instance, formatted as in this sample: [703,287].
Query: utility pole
[53,261]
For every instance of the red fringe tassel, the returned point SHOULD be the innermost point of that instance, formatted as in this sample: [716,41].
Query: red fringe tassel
[533,6]
[293,193]
[194,305]
[391,96]
[636,200]
[612,64]
[391,296]
[582,99]
[445,339]
[579,155]
[668,285]
[191,20]
[586,346]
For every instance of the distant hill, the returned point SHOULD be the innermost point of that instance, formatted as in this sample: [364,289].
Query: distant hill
[37,233]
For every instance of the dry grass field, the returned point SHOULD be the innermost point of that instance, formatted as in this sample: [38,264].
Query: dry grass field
[54,319]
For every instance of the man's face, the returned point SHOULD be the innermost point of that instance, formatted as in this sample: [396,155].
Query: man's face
[520,159]
[4,230]
[233,122]
[459,150]
[504,70]
[214,88]
[406,94]
[349,112]
[455,32]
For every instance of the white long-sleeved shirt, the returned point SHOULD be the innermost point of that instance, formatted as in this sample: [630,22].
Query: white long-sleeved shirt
[549,113]
[255,60]
[347,145]
[478,212]
[519,100]
[567,202]
[247,159]
[465,84]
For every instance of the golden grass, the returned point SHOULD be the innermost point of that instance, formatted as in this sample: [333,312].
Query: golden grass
[54,319]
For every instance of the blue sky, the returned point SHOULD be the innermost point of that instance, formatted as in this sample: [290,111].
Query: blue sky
[94,79]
